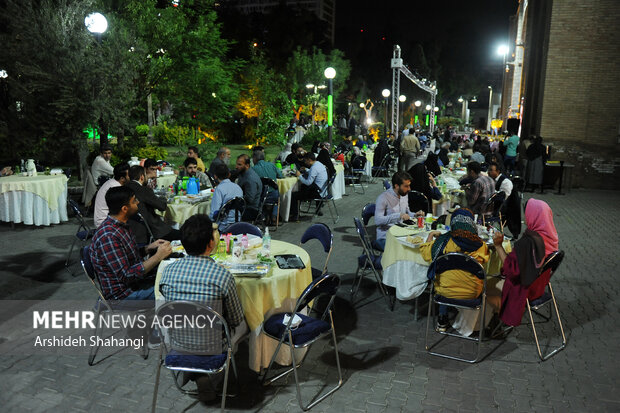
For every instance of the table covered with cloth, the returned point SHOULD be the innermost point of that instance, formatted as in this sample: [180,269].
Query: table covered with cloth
[33,200]
[177,214]
[262,297]
[286,187]
[405,269]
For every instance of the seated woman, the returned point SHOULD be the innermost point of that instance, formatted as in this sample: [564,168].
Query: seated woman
[423,182]
[462,237]
[522,266]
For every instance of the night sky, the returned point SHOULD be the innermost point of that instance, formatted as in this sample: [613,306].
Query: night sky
[462,35]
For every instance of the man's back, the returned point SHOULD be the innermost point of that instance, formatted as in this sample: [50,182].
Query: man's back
[267,170]
[252,186]
[479,192]
[410,144]
[199,278]
[225,191]
[101,207]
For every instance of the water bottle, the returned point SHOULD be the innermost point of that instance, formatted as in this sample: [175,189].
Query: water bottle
[244,242]
[266,243]
[279,164]
[237,250]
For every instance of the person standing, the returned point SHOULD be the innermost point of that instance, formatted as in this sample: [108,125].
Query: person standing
[510,159]
[101,165]
[409,150]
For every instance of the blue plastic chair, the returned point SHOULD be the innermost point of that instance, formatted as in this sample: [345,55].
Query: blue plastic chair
[186,352]
[369,212]
[236,205]
[244,228]
[386,184]
[322,233]
[456,261]
[368,261]
[83,233]
[306,333]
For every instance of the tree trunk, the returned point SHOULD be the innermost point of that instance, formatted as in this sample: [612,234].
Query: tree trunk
[149,113]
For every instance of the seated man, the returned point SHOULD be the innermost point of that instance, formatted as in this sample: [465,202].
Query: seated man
[250,183]
[221,158]
[266,169]
[115,255]
[224,191]
[296,157]
[480,189]
[6,171]
[312,184]
[502,183]
[101,165]
[151,168]
[192,152]
[198,278]
[121,177]
[149,202]
[392,206]
[191,170]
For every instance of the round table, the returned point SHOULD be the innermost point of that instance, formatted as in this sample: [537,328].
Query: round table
[260,298]
[166,180]
[405,269]
[177,214]
[38,200]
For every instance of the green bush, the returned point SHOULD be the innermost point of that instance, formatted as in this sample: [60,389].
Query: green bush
[174,135]
[447,120]
[312,135]
[142,130]
[150,151]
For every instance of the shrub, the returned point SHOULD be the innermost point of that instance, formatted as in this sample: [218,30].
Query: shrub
[150,151]
[312,135]
[173,136]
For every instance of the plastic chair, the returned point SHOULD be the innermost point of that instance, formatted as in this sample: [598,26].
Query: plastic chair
[83,233]
[368,261]
[442,264]
[354,175]
[103,305]
[325,199]
[369,212]
[322,233]
[244,228]
[418,201]
[383,168]
[190,347]
[270,183]
[493,207]
[211,179]
[306,333]
[551,264]
[237,205]
[386,184]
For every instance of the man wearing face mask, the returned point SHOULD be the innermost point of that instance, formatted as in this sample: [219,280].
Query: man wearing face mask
[221,158]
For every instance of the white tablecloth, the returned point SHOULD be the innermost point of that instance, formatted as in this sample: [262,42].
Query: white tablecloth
[31,209]
[338,187]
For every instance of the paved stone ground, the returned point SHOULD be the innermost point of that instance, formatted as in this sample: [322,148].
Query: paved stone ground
[386,368]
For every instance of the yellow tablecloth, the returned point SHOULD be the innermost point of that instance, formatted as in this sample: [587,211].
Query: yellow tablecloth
[179,213]
[166,180]
[395,251]
[285,184]
[339,167]
[48,187]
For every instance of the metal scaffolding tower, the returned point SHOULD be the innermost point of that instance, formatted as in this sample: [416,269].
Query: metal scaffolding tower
[430,87]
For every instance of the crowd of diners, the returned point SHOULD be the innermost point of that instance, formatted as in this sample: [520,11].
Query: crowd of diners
[125,262]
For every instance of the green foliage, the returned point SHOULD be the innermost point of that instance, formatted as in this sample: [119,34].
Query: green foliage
[142,130]
[445,121]
[173,136]
[154,152]
[313,135]
[306,67]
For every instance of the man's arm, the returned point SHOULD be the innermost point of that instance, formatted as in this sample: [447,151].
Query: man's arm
[233,308]
[148,197]
[216,202]
[311,176]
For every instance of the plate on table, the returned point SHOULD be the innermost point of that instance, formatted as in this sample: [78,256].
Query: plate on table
[256,270]
[413,241]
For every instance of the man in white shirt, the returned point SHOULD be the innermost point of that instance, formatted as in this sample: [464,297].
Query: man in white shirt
[502,183]
[101,164]
[313,184]
[121,176]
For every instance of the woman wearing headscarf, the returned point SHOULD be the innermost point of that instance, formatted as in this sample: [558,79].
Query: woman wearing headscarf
[443,154]
[423,182]
[325,159]
[462,237]
[432,165]
[522,266]
[285,152]
[535,154]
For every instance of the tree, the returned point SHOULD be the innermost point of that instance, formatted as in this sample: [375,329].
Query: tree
[59,78]
[264,102]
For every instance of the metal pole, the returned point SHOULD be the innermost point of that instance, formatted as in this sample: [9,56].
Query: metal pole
[330,110]
[386,117]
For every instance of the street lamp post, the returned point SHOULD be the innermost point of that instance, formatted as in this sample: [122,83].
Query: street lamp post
[503,51]
[428,110]
[402,99]
[490,114]
[330,74]
[386,94]
[97,24]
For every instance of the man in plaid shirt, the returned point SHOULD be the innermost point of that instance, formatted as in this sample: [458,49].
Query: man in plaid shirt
[198,278]
[115,255]
[480,189]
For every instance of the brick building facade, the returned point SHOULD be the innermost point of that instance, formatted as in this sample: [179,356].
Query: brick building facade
[568,83]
